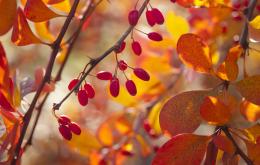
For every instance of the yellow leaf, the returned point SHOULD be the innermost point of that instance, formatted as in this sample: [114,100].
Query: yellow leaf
[250,111]
[255,23]
[43,31]
[153,117]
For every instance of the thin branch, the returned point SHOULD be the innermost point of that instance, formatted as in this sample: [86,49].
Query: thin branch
[89,11]
[47,76]
[238,150]
[96,61]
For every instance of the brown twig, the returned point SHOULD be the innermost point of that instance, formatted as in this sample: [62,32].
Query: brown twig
[238,149]
[46,79]
[96,61]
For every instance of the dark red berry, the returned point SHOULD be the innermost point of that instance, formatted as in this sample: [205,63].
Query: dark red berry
[102,162]
[121,47]
[156,148]
[258,8]
[64,120]
[149,17]
[126,153]
[147,126]
[158,16]
[131,88]
[72,84]
[104,75]
[75,128]
[155,36]
[173,1]
[65,132]
[137,48]
[122,65]
[142,74]
[90,90]
[133,17]
[114,87]
[83,97]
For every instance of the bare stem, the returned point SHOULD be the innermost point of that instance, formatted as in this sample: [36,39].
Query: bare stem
[47,76]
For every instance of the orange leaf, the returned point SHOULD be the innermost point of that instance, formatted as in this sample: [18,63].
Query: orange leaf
[37,11]
[250,88]
[223,143]
[4,71]
[182,149]
[228,70]
[22,34]
[253,152]
[228,159]
[7,15]
[194,53]
[250,111]
[51,2]
[215,111]
[180,114]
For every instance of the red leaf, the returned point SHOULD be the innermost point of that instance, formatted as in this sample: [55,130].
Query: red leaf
[7,15]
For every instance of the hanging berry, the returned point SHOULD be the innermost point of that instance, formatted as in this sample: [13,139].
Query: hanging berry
[136,47]
[104,75]
[72,84]
[75,128]
[64,120]
[90,90]
[83,97]
[149,17]
[121,47]
[65,132]
[131,88]
[142,74]
[122,65]
[114,87]
[155,36]
[133,17]
[158,16]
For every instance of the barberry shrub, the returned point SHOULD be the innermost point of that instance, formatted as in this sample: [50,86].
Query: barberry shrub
[175,82]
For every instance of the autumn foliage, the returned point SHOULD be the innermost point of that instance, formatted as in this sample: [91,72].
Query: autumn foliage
[173,82]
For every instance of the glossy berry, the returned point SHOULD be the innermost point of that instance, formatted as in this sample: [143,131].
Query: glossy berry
[149,17]
[122,65]
[75,128]
[72,84]
[90,90]
[121,47]
[133,17]
[142,74]
[158,16]
[65,132]
[103,75]
[136,47]
[114,87]
[131,88]
[155,36]
[64,120]
[83,97]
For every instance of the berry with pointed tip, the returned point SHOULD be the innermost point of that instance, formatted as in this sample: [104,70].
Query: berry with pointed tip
[158,16]
[64,120]
[65,132]
[155,36]
[114,87]
[104,75]
[90,90]
[122,65]
[133,17]
[142,74]
[72,84]
[149,17]
[83,97]
[136,47]
[121,47]
[131,88]
[75,128]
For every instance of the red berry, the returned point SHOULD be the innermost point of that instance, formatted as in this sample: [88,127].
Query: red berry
[75,128]
[158,16]
[136,48]
[147,126]
[126,153]
[156,148]
[133,17]
[72,84]
[155,36]
[173,1]
[122,65]
[114,87]
[102,162]
[103,75]
[237,5]
[142,74]
[83,97]
[64,120]
[149,17]
[121,47]
[90,90]
[258,8]
[131,88]
[65,132]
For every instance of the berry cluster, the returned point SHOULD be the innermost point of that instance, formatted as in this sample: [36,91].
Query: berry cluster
[84,93]
[67,127]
